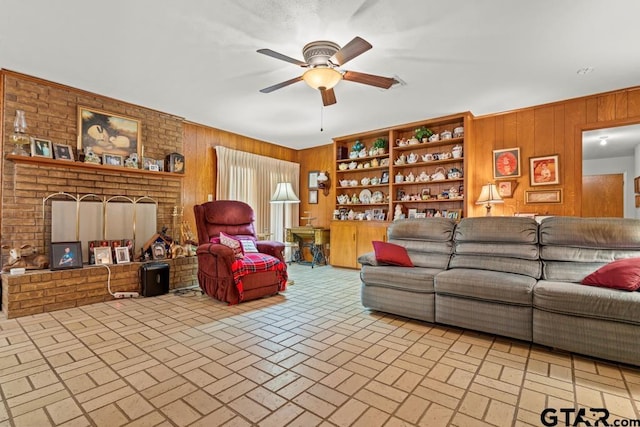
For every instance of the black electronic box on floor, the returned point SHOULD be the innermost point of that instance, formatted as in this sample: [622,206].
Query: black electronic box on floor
[154,279]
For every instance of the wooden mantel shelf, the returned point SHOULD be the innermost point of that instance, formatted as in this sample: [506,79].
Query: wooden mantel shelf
[91,166]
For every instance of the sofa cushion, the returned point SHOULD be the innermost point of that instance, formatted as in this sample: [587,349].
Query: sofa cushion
[594,302]
[390,253]
[621,274]
[598,233]
[502,229]
[486,285]
[527,267]
[419,280]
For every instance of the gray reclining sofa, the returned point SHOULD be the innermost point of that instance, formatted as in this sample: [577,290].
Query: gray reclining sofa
[514,277]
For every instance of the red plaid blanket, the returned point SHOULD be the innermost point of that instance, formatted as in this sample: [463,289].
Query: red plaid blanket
[255,262]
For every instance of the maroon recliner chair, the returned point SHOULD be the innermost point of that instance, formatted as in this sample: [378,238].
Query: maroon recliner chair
[223,276]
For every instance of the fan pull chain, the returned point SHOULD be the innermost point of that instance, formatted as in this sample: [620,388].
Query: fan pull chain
[322,119]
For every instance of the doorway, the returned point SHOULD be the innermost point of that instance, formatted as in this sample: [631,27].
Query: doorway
[602,196]
[606,152]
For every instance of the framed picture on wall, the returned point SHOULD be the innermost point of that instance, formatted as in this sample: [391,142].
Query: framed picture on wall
[506,163]
[313,181]
[506,188]
[543,196]
[544,170]
[108,132]
[313,197]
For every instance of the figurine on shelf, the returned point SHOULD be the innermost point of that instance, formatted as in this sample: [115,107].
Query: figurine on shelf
[398,212]
[90,156]
[131,161]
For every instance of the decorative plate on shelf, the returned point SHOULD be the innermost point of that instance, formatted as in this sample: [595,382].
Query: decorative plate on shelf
[377,197]
[365,196]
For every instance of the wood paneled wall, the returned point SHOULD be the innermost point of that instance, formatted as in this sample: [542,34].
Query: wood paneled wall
[317,159]
[200,161]
[548,129]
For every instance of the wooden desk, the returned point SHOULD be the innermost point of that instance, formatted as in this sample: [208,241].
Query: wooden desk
[313,238]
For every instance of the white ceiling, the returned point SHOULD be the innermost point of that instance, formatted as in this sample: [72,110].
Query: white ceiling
[197,58]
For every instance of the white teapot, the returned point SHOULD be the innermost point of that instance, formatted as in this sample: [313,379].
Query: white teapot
[410,177]
[401,160]
[413,157]
[365,181]
[423,177]
[342,199]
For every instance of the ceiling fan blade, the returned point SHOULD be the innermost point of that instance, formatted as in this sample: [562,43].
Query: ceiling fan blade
[369,79]
[328,97]
[282,57]
[281,85]
[355,47]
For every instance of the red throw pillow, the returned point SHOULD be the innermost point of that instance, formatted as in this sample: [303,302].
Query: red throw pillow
[621,274]
[390,253]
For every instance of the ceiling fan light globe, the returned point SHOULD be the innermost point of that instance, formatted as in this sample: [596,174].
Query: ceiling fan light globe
[325,78]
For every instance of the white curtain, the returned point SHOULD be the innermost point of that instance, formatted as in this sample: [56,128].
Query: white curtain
[252,179]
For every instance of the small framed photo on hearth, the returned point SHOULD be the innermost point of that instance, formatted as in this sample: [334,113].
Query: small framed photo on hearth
[102,255]
[122,255]
[65,255]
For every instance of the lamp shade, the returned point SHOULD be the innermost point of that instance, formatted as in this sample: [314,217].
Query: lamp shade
[284,194]
[322,77]
[489,194]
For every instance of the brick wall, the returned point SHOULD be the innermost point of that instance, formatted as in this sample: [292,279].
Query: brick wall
[51,112]
[44,290]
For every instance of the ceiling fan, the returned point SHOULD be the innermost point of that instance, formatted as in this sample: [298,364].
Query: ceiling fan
[322,59]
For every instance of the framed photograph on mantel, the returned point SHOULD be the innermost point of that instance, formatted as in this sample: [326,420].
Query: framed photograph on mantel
[108,133]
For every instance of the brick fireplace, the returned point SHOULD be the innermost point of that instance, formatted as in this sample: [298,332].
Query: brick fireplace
[51,113]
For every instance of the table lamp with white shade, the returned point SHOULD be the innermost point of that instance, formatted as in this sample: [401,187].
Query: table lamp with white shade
[489,196]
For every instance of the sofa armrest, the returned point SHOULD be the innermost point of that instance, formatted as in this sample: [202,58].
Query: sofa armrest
[368,259]
[272,248]
[215,259]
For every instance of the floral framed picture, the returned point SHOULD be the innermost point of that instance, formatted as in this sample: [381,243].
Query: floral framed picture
[106,132]
[506,163]
[544,170]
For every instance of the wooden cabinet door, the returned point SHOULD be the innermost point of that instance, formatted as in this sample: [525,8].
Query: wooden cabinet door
[368,232]
[343,244]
